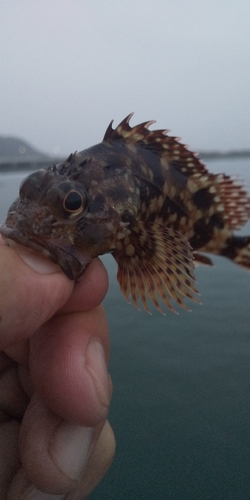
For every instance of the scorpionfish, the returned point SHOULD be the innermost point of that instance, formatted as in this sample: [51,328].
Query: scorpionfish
[145,198]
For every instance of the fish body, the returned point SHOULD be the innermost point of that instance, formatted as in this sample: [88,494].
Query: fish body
[142,196]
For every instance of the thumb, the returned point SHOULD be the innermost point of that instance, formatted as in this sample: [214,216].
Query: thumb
[32,289]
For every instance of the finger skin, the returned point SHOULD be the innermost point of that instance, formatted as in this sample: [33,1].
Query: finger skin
[37,430]
[98,464]
[48,326]
[13,400]
[91,289]
[9,456]
[59,366]
[99,461]
[27,298]
[41,464]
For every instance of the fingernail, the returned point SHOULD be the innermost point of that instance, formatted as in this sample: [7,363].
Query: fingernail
[34,494]
[97,367]
[39,263]
[70,449]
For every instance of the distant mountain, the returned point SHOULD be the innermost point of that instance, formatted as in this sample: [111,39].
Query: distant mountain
[15,154]
[17,151]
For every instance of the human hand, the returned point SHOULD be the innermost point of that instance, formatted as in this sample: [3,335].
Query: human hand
[54,387]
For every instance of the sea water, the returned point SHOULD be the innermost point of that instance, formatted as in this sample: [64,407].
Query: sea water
[181,402]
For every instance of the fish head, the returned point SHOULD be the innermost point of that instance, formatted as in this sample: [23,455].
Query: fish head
[74,211]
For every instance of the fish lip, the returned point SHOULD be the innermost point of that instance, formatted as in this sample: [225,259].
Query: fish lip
[70,259]
[16,235]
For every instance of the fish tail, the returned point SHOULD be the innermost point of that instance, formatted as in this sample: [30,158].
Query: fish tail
[238,250]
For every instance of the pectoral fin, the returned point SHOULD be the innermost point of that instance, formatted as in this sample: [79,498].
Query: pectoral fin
[155,262]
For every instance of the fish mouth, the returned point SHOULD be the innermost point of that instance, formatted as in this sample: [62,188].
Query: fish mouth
[71,259]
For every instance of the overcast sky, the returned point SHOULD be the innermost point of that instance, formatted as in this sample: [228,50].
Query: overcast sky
[69,67]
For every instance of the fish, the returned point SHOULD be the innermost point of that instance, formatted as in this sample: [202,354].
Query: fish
[142,196]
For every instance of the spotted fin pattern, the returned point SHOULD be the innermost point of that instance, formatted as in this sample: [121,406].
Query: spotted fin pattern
[159,142]
[155,262]
[234,199]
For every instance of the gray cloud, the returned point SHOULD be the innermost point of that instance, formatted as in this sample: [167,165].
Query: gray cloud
[69,67]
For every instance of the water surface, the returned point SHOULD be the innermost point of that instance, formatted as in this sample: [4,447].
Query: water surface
[181,404]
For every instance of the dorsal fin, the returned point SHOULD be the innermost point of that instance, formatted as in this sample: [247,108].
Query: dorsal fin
[159,142]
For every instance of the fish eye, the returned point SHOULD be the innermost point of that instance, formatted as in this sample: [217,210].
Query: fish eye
[69,200]
[73,201]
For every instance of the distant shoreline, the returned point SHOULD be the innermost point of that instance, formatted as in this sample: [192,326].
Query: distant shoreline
[27,165]
[16,166]
[220,155]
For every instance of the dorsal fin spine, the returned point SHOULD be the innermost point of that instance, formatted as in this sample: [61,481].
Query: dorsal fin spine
[157,141]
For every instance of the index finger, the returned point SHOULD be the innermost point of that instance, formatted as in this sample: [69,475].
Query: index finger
[90,291]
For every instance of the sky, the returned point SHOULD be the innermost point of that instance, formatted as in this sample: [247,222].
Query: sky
[68,67]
